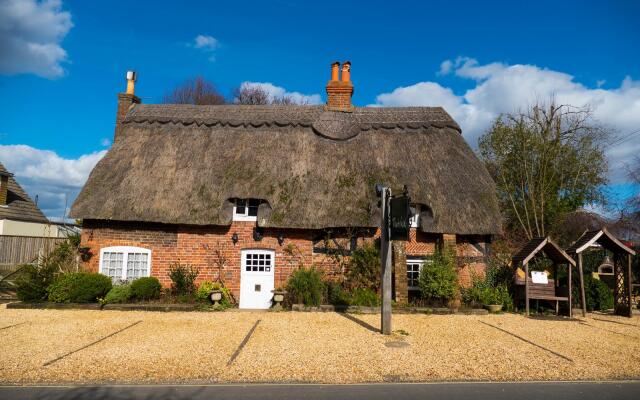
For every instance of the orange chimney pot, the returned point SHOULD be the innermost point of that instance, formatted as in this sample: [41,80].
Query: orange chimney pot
[346,71]
[335,68]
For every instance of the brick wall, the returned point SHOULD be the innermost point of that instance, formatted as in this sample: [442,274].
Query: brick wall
[200,245]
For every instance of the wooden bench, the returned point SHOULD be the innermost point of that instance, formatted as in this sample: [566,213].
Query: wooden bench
[541,291]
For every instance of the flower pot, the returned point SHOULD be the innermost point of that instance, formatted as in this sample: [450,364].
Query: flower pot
[493,308]
[216,296]
[278,297]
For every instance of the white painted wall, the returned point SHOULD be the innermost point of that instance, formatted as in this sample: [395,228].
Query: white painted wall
[21,228]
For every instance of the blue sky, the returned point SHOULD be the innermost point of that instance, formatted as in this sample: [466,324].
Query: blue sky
[476,59]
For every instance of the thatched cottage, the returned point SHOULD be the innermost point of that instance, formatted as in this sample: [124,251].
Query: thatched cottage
[248,193]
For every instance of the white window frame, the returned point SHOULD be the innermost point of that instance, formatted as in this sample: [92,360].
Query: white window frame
[414,221]
[416,260]
[125,250]
[244,216]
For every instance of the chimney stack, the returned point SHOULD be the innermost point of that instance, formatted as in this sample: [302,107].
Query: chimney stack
[339,92]
[125,101]
[4,187]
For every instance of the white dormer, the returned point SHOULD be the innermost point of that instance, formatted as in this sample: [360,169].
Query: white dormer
[246,209]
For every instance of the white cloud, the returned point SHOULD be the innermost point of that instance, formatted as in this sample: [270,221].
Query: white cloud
[445,67]
[44,173]
[501,88]
[207,44]
[30,36]
[278,92]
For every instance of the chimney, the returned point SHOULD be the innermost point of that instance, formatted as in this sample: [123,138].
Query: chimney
[339,92]
[125,101]
[4,187]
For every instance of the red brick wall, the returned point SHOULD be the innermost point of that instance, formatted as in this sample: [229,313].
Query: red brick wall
[197,245]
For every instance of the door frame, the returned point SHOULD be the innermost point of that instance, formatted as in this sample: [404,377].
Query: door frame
[244,273]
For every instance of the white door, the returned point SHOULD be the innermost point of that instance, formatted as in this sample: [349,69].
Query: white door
[256,278]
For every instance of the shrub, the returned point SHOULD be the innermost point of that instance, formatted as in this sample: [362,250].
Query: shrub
[364,268]
[336,295]
[79,287]
[183,278]
[146,288]
[438,279]
[119,294]
[33,281]
[205,289]
[365,297]
[306,286]
[597,294]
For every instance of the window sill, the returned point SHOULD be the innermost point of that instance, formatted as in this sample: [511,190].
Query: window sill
[244,219]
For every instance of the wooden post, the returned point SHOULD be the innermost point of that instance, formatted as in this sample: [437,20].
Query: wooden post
[582,296]
[526,289]
[570,289]
[385,262]
[629,286]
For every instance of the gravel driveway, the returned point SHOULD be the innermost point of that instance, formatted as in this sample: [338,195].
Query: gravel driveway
[46,346]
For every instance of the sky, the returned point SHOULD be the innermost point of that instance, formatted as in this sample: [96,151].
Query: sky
[63,62]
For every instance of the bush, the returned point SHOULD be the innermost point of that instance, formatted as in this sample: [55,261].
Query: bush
[364,268]
[205,289]
[496,295]
[306,286]
[33,281]
[336,295]
[597,294]
[119,294]
[79,287]
[183,278]
[146,288]
[438,279]
[365,297]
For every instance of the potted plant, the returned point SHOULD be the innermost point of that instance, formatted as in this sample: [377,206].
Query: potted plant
[491,299]
[278,297]
[216,293]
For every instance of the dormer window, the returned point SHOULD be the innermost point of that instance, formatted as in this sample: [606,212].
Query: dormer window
[414,221]
[246,209]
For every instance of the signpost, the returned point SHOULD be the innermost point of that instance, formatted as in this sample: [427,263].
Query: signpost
[394,225]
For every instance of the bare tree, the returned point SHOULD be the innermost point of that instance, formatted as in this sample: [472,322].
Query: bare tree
[257,95]
[197,91]
[547,161]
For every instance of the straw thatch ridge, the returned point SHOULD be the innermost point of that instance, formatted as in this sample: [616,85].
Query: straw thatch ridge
[183,164]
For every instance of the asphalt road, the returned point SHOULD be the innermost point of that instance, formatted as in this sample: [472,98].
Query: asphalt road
[479,391]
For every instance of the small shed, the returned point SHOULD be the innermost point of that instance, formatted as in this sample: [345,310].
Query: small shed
[603,239]
[551,291]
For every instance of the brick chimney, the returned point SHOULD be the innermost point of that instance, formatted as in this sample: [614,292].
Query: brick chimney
[4,187]
[339,92]
[125,101]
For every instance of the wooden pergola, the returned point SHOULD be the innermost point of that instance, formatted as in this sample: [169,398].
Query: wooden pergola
[540,291]
[603,239]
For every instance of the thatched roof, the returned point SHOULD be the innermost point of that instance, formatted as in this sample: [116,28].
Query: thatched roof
[182,164]
[19,206]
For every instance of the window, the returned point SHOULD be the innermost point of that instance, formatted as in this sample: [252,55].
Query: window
[246,209]
[258,262]
[415,216]
[125,263]
[413,272]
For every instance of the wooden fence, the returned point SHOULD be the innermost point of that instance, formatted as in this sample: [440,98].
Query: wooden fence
[15,250]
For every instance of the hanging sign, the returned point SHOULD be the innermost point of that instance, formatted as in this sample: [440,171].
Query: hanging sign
[399,218]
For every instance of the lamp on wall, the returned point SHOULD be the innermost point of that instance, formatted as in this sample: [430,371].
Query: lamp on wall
[234,238]
[280,238]
[257,234]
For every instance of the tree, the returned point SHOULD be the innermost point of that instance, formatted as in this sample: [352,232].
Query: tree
[197,91]
[546,162]
[257,95]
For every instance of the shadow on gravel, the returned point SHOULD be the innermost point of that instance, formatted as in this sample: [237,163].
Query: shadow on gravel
[360,322]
